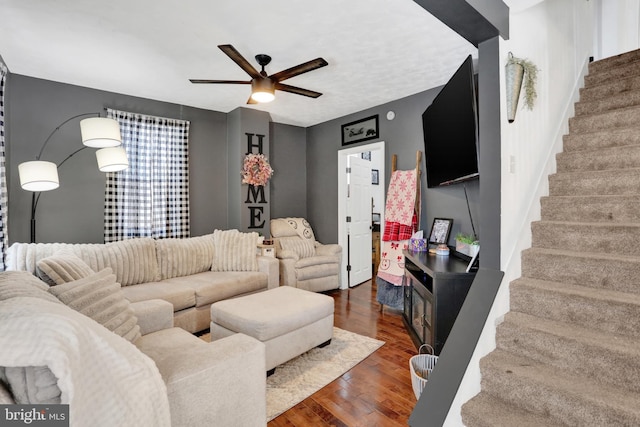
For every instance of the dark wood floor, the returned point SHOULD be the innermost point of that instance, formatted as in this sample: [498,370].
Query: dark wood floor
[376,392]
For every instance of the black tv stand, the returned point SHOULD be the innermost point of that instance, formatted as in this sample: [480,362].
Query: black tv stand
[436,288]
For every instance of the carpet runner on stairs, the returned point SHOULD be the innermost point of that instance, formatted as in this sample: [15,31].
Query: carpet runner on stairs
[568,352]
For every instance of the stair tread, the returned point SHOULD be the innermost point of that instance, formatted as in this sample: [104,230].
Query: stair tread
[603,197]
[590,173]
[502,414]
[583,291]
[617,72]
[590,224]
[614,61]
[587,116]
[604,341]
[595,393]
[595,151]
[607,135]
[609,94]
[588,255]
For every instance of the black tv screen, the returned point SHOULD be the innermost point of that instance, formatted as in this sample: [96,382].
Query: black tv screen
[450,126]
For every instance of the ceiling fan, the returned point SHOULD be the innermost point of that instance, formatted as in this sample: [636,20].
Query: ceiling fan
[263,86]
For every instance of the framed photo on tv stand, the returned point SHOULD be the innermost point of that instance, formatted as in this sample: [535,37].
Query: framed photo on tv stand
[440,231]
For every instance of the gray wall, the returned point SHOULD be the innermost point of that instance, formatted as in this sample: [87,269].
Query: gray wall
[289,184]
[74,212]
[403,136]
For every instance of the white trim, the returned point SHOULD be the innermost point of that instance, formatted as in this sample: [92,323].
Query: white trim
[342,197]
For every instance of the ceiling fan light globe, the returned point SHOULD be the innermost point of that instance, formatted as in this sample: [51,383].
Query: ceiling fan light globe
[263,90]
[263,97]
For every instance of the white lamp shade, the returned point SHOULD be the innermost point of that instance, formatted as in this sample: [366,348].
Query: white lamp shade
[38,176]
[99,132]
[112,159]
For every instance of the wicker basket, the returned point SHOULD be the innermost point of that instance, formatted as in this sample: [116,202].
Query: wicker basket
[421,367]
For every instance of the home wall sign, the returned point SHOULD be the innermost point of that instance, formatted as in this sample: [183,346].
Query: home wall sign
[360,130]
[256,200]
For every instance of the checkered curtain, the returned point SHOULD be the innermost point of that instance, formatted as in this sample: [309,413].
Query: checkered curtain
[4,212]
[151,197]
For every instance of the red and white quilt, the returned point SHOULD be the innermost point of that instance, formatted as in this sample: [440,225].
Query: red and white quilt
[400,222]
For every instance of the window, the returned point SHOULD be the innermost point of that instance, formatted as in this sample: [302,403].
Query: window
[151,197]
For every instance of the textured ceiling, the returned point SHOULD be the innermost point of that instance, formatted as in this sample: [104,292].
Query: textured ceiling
[377,50]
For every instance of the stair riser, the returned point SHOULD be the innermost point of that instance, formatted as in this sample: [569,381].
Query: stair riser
[541,399]
[603,139]
[603,91]
[602,315]
[581,358]
[622,100]
[614,61]
[614,182]
[615,158]
[611,74]
[610,274]
[602,121]
[606,238]
[486,411]
[591,209]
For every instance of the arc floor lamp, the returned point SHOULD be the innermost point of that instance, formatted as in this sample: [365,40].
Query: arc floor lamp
[97,132]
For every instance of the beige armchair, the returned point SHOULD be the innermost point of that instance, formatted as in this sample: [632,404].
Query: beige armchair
[304,262]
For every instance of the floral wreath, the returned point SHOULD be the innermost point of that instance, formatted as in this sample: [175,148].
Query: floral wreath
[256,170]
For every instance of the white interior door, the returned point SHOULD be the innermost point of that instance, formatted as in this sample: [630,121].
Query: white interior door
[359,228]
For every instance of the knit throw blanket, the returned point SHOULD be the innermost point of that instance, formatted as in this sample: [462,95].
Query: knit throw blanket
[104,378]
[401,221]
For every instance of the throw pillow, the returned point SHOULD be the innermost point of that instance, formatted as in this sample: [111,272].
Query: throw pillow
[61,268]
[100,297]
[302,247]
[302,227]
[31,384]
[15,284]
[183,257]
[235,251]
[133,260]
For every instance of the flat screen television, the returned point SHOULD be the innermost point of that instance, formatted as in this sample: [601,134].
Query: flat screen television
[450,127]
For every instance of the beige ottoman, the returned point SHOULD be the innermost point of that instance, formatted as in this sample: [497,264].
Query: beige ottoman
[289,321]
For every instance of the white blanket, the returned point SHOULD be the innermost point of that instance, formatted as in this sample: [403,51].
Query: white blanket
[104,378]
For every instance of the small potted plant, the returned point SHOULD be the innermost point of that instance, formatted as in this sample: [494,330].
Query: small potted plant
[467,244]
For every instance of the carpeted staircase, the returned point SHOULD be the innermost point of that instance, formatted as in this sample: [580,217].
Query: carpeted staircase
[568,352]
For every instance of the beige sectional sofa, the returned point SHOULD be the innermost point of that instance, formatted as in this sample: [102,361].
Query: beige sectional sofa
[191,273]
[57,349]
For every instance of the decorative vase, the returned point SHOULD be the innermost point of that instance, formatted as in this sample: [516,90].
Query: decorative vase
[514,74]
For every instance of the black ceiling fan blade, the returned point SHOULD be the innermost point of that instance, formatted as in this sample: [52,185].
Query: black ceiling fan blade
[314,64]
[235,56]
[297,90]
[237,82]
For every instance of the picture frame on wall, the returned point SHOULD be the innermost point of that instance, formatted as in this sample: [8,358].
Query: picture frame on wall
[375,177]
[440,231]
[360,130]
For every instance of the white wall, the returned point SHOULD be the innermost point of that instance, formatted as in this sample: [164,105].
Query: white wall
[558,37]
[617,28]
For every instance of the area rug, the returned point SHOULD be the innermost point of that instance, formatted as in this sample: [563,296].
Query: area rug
[302,376]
